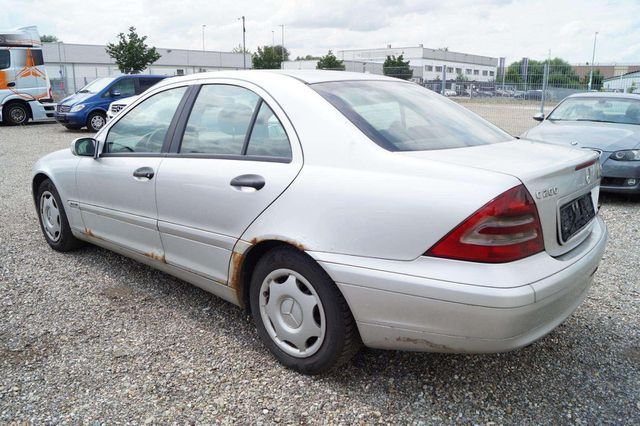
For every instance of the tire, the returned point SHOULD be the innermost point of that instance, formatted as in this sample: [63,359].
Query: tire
[53,219]
[15,114]
[300,314]
[94,119]
[72,126]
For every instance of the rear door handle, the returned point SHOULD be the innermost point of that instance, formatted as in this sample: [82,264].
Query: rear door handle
[248,181]
[144,172]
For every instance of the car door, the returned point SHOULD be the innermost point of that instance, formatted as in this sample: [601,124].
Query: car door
[232,156]
[117,189]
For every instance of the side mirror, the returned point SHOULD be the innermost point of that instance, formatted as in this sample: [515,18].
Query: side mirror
[538,116]
[115,93]
[84,147]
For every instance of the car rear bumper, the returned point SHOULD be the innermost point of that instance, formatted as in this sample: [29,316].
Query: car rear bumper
[397,309]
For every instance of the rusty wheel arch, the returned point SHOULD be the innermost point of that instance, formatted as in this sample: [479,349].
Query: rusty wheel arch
[242,266]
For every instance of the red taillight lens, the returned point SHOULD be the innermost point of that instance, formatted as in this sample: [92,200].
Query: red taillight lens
[505,229]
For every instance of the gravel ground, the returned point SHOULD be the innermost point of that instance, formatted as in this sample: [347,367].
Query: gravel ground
[94,337]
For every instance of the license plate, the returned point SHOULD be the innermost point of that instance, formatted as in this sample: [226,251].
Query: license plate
[575,215]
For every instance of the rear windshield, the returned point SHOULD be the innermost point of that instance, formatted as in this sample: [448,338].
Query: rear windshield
[402,116]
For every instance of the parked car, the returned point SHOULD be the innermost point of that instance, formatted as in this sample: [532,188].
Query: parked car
[408,223]
[606,122]
[449,92]
[88,106]
[116,106]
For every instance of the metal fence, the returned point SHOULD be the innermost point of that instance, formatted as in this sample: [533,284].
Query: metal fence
[511,98]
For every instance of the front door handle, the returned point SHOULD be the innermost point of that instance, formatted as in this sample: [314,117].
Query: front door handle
[144,172]
[251,181]
[11,84]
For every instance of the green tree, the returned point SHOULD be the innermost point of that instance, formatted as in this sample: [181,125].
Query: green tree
[46,38]
[330,62]
[307,58]
[269,57]
[596,81]
[461,77]
[397,67]
[131,53]
[239,49]
[561,74]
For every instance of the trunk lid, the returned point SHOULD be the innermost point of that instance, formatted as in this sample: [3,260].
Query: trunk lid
[554,175]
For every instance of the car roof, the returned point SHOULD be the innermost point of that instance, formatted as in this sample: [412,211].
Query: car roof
[304,76]
[605,95]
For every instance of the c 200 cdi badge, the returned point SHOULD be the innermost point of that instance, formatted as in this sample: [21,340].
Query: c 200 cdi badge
[338,208]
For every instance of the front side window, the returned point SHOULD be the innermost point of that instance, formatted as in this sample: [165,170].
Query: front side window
[268,138]
[125,87]
[36,55]
[5,59]
[609,110]
[144,128]
[219,120]
[406,117]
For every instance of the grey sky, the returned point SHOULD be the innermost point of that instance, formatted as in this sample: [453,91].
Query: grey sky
[486,27]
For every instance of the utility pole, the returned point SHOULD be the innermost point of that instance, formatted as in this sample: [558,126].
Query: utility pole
[203,27]
[273,38]
[282,44]
[244,48]
[593,58]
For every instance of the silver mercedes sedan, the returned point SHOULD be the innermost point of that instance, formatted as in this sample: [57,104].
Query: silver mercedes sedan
[339,209]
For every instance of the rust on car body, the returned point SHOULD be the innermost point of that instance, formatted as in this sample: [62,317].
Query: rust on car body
[158,257]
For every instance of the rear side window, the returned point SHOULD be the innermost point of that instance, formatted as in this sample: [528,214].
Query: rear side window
[144,128]
[146,83]
[219,120]
[401,116]
[5,59]
[268,138]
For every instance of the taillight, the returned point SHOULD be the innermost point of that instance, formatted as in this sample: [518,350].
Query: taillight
[505,229]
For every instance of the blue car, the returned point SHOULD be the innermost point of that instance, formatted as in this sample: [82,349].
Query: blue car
[88,106]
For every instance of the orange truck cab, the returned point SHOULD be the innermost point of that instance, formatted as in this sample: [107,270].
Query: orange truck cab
[25,89]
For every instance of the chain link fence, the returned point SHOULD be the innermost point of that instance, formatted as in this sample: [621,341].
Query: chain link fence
[511,98]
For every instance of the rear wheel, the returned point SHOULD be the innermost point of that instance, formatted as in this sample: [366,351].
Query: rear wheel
[300,314]
[15,114]
[96,121]
[53,219]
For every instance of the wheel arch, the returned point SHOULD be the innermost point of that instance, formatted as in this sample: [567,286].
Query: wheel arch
[243,264]
[20,101]
[38,178]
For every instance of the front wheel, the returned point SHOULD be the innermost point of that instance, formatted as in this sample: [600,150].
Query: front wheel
[53,219]
[96,121]
[300,314]
[16,114]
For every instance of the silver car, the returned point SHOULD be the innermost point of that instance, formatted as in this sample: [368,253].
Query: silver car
[606,122]
[340,209]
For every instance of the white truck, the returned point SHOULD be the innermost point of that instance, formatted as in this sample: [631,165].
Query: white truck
[25,89]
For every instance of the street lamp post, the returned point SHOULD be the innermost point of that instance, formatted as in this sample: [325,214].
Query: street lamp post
[282,26]
[593,58]
[203,27]
[244,49]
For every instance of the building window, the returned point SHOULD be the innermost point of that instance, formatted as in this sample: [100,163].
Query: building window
[476,72]
[458,70]
[180,72]
[492,73]
[485,73]
[438,69]
[468,70]
[450,70]
[428,67]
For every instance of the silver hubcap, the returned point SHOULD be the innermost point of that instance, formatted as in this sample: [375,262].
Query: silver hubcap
[17,115]
[97,121]
[292,313]
[50,216]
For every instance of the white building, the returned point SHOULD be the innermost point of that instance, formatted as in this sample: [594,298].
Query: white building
[430,63]
[626,83]
[71,66]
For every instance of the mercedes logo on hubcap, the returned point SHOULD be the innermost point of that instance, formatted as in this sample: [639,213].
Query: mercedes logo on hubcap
[291,312]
